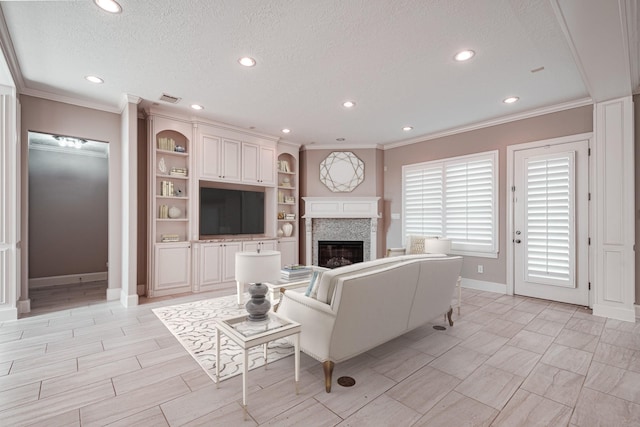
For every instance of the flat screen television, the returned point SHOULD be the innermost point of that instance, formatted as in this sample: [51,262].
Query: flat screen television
[225,211]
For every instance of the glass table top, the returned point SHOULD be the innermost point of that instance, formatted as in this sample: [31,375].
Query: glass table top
[249,328]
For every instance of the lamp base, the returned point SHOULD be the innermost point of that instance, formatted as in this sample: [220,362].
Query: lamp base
[258,306]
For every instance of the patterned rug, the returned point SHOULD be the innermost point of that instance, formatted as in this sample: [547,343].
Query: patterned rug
[193,324]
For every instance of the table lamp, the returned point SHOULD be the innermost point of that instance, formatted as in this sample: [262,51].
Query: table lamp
[437,245]
[255,268]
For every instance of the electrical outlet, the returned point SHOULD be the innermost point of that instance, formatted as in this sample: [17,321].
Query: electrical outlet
[480,268]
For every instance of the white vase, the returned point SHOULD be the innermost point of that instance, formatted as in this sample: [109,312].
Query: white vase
[287,229]
[174,212]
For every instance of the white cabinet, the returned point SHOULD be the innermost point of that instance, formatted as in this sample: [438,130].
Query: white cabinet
[258,163]
[263,245]
[216,264]
[219,159]
[172,272]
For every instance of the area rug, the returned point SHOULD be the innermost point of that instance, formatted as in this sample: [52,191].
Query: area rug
[193,324]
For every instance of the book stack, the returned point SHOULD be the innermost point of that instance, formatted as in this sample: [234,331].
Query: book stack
[296,271]
[167,144]
[163,212]
[170,238]
[166,188]
[178,171]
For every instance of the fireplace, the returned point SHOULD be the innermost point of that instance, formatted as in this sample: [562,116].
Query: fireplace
[336,253]
[341,219]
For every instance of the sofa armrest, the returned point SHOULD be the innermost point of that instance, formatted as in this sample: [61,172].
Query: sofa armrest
[317,320]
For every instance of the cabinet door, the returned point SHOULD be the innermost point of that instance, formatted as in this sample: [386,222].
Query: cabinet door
[229,261]
[230,160]
[250,153]
[269,245]
[210,264]
[211,149]
[288,252]
[250,246]
[267,165]
[172,270]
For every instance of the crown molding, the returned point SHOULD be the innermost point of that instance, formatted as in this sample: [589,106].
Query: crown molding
[493,122]
[341,147]
[6,45]
[70,100]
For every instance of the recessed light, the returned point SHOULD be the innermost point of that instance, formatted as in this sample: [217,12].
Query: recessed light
[407,128]
[247,61]
[464,55]
[348,104]
[110,6]
[197,107]
[94,79]
[340,139]
[510,100]
[285,130]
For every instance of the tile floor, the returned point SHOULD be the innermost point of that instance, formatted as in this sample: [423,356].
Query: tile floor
[507,361]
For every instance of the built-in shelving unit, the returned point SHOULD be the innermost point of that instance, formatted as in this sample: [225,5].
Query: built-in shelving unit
[288,203]
[169,254]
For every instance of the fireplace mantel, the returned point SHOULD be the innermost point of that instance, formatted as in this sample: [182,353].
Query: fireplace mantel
[341,207]
[336,208]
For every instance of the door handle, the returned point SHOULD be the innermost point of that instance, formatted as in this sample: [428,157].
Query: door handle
[517,240]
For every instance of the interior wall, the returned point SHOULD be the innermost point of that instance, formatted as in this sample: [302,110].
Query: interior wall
[636,121]
[371,186]
[142,202]
[68,195]
[569,122]
[46,116]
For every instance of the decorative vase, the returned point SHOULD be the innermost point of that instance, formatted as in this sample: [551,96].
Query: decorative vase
[280,232]
[287,229]
[174,212]
[258,305]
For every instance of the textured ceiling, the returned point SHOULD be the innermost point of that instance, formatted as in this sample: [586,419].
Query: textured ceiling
[393,58]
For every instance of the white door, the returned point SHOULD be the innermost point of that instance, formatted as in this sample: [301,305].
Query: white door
[551,213]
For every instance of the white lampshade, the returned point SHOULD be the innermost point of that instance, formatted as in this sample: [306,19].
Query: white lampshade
[437,246]
[257,267]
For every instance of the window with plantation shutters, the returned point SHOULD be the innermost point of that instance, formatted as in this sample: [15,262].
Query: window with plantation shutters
[454,198]
[549,220]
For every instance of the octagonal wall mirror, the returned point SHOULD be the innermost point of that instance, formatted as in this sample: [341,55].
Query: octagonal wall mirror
[341,171]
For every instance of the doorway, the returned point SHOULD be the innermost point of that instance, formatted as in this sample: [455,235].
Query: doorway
[549,223]
[67,222]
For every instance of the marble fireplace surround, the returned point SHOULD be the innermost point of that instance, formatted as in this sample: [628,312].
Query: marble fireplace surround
[341,218]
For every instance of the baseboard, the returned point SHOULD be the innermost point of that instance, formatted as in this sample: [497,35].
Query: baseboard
[113,294]
[24,306]
[637,307]
[128,300]
[618,313]
[481,285]
[10,313]
[42,282]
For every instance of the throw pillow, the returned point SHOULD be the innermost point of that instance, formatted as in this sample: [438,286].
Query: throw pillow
[312,282]
[314,290]
[416,245]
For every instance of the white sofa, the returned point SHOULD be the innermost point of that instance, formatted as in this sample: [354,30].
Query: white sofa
[361,306]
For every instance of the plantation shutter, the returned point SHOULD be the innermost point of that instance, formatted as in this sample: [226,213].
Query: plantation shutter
[455,198]
[550,220]
[423,201]
[469,204]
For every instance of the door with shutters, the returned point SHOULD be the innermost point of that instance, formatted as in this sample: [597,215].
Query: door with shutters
[551,214]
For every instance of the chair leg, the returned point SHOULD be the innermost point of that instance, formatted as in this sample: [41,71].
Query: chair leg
[327,366]
[449,313]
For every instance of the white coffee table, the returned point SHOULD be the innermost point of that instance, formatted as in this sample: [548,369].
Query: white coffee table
[247,334]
